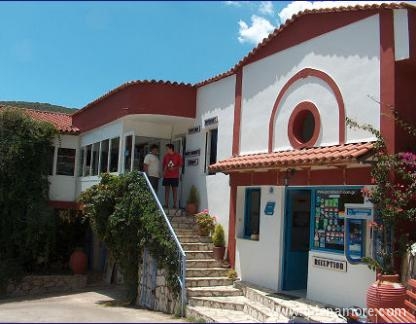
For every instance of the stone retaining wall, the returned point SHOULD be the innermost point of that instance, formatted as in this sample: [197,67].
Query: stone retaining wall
[153,292]
[34,285]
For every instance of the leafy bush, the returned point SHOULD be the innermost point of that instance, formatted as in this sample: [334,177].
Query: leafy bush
[122,211]
[218,236]
[27,224]
[193,197]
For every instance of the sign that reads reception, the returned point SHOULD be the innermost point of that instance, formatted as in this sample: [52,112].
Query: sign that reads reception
[329,264]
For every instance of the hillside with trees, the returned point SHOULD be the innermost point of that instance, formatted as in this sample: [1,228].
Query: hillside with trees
[38,106]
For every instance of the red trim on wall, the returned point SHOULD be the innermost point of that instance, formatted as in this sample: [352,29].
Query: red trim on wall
[231,226]
[64,204]
[308,72]
[387,77]
[302,107]
[139,98]
[237,112]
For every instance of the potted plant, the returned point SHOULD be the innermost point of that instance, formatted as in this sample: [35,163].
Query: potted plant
[193,201]
[219,242]
[206,222]
[393,196]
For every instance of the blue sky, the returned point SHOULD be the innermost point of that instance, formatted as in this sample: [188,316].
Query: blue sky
[70,53]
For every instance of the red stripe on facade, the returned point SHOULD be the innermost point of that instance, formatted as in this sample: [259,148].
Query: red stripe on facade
[308,72]
[237,112]
[387,77]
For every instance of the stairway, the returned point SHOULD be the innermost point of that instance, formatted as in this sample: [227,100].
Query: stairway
[214,298]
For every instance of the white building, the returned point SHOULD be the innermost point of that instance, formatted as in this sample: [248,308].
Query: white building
[267,144]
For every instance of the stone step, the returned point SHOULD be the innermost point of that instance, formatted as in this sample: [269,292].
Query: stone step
[183,219]
[202,263]
[263,313]
[190,226]
[207,281]
[218,291]
[193,239]
[206,272]
[235,303]
[185,232]
[172,212]
[199,255]
[212,315]
[197,246]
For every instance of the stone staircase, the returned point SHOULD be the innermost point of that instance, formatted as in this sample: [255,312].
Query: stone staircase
[214,298]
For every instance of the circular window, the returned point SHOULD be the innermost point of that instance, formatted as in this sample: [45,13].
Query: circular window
[304,125]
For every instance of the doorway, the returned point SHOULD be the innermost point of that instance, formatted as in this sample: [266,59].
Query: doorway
[297,238]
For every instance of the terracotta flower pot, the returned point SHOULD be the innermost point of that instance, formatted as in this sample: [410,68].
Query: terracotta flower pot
[191,208]
[78,262]
[203,231]
[219,252]
[386,292]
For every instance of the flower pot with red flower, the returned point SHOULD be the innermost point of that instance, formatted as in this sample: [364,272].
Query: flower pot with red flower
[206,222]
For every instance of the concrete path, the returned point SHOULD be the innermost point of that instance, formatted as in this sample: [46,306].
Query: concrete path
[101,304]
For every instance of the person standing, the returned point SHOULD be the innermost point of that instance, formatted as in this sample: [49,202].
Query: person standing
[172,163]
[151,166]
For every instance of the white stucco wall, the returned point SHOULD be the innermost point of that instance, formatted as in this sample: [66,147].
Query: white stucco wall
[213,100]
[63,188]
[342,289]
[260,261]
[349,55]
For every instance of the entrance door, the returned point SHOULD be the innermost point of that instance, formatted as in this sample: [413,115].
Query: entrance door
[297,231]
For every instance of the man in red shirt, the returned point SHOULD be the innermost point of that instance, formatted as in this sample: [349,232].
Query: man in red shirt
[172,163]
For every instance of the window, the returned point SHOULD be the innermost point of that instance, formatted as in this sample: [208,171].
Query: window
[65,164]
[211,148]
[51,156]
[252,213]
[87,162]
[95,155]
[114,148]
[304,125]
[104,156]
[128,153]
[81,162]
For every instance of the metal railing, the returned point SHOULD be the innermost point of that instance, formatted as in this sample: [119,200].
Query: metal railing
[181,253]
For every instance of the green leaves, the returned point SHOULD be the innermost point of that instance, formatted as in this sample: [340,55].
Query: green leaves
[125,217]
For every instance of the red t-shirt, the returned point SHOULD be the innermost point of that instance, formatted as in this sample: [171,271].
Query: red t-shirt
[172,163]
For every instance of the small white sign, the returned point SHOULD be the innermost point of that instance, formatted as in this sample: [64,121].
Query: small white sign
[329,264]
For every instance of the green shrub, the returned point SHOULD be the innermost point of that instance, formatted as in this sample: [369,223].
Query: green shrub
[218,236]
[193,197]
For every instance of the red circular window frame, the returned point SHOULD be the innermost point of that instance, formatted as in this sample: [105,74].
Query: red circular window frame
[294,120]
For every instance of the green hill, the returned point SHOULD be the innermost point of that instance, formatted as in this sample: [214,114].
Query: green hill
[38,106]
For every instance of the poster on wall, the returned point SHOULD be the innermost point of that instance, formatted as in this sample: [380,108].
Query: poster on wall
[329,217]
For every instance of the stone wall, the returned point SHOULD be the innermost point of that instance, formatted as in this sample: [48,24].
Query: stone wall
[34,285]
[153,292]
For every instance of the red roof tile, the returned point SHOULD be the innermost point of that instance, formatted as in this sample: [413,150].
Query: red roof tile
[277,31]
[328,155]
[62,121]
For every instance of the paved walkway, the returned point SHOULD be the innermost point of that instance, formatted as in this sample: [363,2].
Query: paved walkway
[101,304]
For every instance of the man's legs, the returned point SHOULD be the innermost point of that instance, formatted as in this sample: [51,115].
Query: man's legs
[167,189]
[175,196]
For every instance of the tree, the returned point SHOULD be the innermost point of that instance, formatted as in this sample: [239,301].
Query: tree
[394,196]
[26,221]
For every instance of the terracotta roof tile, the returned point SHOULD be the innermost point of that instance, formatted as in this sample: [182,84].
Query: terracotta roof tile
[328,155]
[62,121]
[277,31]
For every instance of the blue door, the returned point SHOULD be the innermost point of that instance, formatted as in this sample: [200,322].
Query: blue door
[297,232]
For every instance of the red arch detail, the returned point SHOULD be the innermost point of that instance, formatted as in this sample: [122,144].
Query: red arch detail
[308,72]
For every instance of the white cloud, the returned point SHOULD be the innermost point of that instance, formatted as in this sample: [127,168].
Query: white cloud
[233,3]
[259,29]
[266,8]
[295,6]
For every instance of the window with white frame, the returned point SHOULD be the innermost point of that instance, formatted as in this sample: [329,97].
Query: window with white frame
[114,149]
[65,162]
[252,213]
[104,156]
[128,153]
[94,158]
[87,161]
[211,141]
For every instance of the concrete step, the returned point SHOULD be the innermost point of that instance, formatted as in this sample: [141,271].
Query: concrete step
[199,255]
[235,303]
[183,219]
[219,291]
[207,272]
[197,246]
[263,313]
[185,232]
[212,315]
[193,238]
[178,226]
[202,263]
[207,281]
